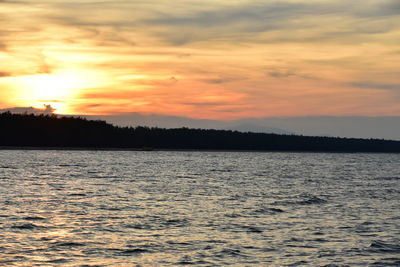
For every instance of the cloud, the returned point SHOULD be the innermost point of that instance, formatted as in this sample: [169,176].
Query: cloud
[44,67]
[186,22]
[126,23]
[48,109]
[4,74]
[222,80]
[281,73]
[376,85]
[287,73]
[372,8]
[230,22]
[281,53]
[204,104]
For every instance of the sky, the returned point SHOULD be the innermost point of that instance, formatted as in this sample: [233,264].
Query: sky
[225,59]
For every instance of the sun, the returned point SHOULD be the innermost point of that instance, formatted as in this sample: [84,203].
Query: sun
[55,89]
[50,87]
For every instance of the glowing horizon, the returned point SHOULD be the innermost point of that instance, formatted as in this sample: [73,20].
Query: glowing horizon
[231,59]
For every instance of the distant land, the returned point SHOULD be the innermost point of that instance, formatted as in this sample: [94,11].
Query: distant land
[336,126]
[51,131]
[349,126]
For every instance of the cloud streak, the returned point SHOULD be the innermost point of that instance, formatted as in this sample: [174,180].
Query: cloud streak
[376,85]
[190,22]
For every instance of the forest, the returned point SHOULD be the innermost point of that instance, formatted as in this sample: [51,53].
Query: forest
[54,132]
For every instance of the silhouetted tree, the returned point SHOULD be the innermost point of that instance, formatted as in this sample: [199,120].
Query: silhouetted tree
[28,130]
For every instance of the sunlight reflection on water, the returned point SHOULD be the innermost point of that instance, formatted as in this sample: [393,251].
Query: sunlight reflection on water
[80,208]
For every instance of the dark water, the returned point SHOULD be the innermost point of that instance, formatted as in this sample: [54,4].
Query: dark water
[74,208]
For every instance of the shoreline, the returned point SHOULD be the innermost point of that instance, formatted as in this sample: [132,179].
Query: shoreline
[34,148]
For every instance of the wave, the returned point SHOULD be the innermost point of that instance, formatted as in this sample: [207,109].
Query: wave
[269,210]
[68,244]
[34,218]
[380,246]
[389,178]
[27,226]
[303,199]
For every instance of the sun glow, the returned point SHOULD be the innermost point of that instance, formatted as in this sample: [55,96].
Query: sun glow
[49,87]
[56,89]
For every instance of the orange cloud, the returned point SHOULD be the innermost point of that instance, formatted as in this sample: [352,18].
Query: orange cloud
[216,60]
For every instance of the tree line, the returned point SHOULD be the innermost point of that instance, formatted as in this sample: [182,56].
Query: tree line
[51,131]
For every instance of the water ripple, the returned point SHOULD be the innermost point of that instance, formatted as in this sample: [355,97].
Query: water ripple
[132,208]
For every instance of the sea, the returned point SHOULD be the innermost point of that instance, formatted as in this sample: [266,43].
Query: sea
[193,208]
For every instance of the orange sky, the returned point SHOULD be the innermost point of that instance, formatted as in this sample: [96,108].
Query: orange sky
[202,59]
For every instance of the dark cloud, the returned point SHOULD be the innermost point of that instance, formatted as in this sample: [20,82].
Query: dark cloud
[252,18]
[222,80]
[48,109]
[217,81]
[265,15]
[286,73]
[281,73]
[4,74]
[377,8]
[376,85]
[222,23]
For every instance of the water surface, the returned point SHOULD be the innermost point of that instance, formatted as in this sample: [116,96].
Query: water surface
[88,208]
